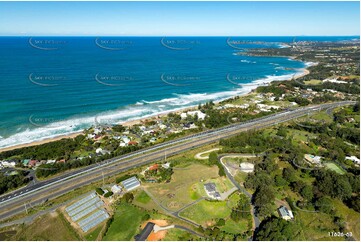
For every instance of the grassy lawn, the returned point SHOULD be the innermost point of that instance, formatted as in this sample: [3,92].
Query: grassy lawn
[93,235]
[205,212]
[143,197]
[180,191]
[235,227]
[315,225]
[52,226]
[313,82]
[333,167]
[240,177]
[144,201]
[126,224]
[178,234]
[187,158]
[351,217]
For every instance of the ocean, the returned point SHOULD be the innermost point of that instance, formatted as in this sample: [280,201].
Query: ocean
[53,86]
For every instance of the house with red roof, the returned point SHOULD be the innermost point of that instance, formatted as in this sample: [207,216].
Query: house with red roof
[33,162]
[132,142]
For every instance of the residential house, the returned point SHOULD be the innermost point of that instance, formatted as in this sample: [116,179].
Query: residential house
[33,162]
[116,189]
[211,191]
[200,115]
[285,213]
[315,160]
[354,159]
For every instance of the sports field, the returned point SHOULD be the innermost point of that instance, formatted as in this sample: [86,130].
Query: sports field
[334,167]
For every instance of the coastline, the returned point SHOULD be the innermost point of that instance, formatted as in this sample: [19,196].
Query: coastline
[304,72]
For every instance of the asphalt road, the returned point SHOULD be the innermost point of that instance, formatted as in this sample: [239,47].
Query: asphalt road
[14,203]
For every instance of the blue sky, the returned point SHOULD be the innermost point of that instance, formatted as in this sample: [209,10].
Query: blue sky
[180,18]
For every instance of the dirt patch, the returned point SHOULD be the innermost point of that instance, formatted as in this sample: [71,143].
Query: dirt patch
[173,204]
[53,214]
[210,223]
[157,236]
[160,222]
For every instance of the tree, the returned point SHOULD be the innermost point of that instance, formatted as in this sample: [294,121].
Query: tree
[307,192]
[263,199]
[221,222]
[275,228]
[324,204]
[146,216]
[282,131]
[213,158]
[99,191]
[108,194]
[119,128]
[289,174]
[128,197]
[280,181]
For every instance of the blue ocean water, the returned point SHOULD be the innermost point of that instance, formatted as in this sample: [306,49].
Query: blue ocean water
[52,86]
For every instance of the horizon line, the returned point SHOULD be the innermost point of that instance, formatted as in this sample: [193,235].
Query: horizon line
[35,35]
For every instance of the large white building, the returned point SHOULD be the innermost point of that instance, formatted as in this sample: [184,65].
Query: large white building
[199,114]
[354,159]
[130,183]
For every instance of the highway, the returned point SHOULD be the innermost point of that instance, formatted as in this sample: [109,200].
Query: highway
[14,203]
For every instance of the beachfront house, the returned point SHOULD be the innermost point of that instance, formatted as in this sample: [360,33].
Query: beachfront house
[33,162]
[200,115]
[26,162]
[50,161]
[7,164]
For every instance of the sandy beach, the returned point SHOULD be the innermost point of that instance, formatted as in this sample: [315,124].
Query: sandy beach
[126,123]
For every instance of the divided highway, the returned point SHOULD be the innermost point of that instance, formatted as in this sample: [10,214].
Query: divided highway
[15,202]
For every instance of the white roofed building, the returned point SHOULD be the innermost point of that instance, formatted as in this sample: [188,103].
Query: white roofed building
[130,183]
[285,213]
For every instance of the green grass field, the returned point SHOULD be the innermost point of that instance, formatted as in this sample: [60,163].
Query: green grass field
[205,212]
[334,167]
[235,227]
[178,234]
[313,82]
[352,218]
[126,224]
[143,197]
[315,226]
[181,190]
[51,226]
[93,235]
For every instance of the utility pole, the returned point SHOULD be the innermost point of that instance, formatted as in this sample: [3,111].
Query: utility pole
[26,210]
[103,177]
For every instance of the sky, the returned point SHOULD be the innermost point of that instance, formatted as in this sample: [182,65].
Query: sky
[179,18]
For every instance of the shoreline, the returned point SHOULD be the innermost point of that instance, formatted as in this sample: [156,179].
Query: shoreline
[305,72]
